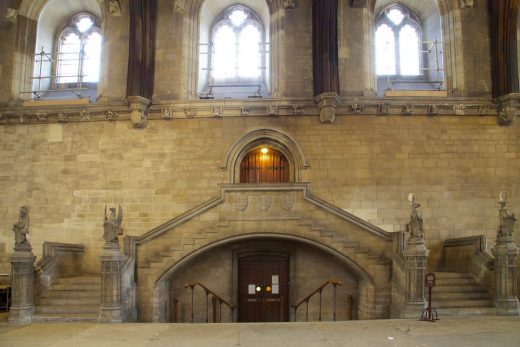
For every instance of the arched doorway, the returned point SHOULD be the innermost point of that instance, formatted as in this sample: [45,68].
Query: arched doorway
[264,165]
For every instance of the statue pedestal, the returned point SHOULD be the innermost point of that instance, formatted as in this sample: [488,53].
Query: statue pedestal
[415,257]
[506,301]
[22,307]
[111,264]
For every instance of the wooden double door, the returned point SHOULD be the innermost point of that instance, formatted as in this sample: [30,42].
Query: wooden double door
[263,288]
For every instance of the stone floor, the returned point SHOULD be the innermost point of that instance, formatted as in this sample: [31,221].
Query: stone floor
[479,331]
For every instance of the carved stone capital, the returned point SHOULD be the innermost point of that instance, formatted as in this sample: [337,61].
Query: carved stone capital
[507,108]
[139,111]
[114,8]
[289,4]
[327,102]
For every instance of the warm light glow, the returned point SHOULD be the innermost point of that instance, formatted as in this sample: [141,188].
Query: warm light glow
[264,150]
[258,289]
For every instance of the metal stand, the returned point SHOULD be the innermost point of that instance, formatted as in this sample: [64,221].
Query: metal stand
[429,313]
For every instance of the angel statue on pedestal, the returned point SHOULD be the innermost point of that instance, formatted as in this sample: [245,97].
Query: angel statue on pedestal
[112,226]
[507,220]
[415,226]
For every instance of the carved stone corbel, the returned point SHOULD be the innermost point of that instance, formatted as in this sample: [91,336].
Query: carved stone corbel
[179,6]
[139,111]
[327,103]
[466,3]
[289,4]
[507,108]
[11,14]
[114,8]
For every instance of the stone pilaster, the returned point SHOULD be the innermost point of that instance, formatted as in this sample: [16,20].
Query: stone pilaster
[112,260]
[139,111]
[415,257]
[327,103]
[22,284]
[506,301]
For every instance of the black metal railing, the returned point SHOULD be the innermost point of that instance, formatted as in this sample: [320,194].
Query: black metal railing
[319,290]
[216,301]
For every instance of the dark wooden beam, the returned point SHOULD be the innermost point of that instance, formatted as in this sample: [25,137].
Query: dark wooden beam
[503,24]
[325,46]
[141,60]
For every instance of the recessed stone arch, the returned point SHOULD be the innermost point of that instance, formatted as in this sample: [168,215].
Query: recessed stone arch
[268,137]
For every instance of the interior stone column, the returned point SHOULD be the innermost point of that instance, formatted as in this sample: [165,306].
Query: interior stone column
[505,252]
[22,284]
[111,265]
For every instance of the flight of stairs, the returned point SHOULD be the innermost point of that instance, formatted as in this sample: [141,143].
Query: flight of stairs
[457,294]
[71,299]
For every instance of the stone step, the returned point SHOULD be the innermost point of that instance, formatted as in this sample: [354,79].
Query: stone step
[460,295]
[465,311]
[462,303]
[462,288]
[442,274]
[451,281]
[73,293]
[79,301]
[65,317]
[69,310]
[78,286]
[91,279]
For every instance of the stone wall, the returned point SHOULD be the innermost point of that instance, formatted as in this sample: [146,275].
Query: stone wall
[367,165]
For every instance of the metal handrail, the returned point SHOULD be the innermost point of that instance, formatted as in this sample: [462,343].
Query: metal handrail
[215,299]
[318,290]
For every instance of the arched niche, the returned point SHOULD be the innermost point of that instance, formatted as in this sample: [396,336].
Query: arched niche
[270,138]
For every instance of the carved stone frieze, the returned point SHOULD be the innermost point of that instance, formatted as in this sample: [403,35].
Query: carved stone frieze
[458,110]
[241,202]
[408,110]
[111,115]
[383,109]
[272,110]
[217,112]
[114,8]
[433,110]
[41,116]
[288,201]
[357,108]
[138,111]
[289,4]
[297,109]
[22,118]
[179,6]
[11,14]
[189,112]
[167,113]
[244,110]
[265,202]
[62,117]
[84,115]
[327,102]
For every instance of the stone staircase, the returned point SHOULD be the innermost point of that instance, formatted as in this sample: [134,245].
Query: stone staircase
[457,294]
[71,299]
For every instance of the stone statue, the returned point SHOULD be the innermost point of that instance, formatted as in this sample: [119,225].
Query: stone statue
[507,220]
[112,226]
[114,8]
[415,226]
[21,229]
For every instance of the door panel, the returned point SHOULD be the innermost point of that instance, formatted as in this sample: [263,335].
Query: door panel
[263,288]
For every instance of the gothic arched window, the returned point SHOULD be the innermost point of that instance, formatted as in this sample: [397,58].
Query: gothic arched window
[78,53]
[398,42]
[236,55]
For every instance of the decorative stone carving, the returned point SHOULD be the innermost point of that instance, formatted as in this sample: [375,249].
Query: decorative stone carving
[466,3]
[21,229]
[22,118]
[189,112]
[357,108]
[383,109]
[288,201]
[167,113]
[112,227]
[217,111]
[358,3]
[62,117]
[433,110]
[458,110]
[84,115]
[114,8]
[11,14]
[111,116]
[297,109]
[289,4]
[505,252]
[138,111]
[507,220]
[241,202]
[415,226]
[506,115]
[327,103]
[41,117]
[272,110]
[22,284]
[2,117]
[244,110]
[408,110]
[179,6]
[265,202]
